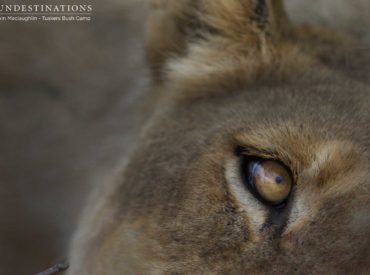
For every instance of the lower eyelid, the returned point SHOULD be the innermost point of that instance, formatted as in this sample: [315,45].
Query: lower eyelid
[256,212]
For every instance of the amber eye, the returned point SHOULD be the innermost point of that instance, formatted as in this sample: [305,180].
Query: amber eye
[269,180]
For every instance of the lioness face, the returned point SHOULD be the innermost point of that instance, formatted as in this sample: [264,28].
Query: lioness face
[255,161]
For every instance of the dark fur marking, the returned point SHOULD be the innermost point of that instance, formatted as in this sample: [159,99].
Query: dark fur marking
[261,8]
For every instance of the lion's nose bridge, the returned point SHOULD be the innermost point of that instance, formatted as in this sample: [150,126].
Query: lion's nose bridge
[324,191]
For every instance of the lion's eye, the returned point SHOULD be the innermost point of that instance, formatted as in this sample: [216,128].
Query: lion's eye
[269,180]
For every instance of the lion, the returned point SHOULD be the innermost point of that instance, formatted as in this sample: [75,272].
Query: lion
[252,156]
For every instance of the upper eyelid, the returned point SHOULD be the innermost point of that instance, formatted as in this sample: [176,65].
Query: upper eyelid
[252,151]
[243,150]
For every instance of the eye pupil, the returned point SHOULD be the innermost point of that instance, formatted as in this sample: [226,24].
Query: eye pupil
[279,179]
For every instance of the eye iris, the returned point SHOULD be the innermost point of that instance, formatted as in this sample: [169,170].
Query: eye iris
[269,180]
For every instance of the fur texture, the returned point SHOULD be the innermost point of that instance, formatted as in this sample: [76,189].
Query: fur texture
[231,74]
[68,113]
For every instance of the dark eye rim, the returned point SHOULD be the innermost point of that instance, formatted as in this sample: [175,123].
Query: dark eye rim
[245,160]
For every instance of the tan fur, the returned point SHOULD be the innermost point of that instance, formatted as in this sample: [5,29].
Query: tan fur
[227,76]
[240,49]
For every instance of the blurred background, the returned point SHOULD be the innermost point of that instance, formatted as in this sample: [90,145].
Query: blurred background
[66,108]
[68,97]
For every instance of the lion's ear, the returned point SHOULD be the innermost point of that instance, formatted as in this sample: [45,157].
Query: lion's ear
[166,31]
[175,25]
